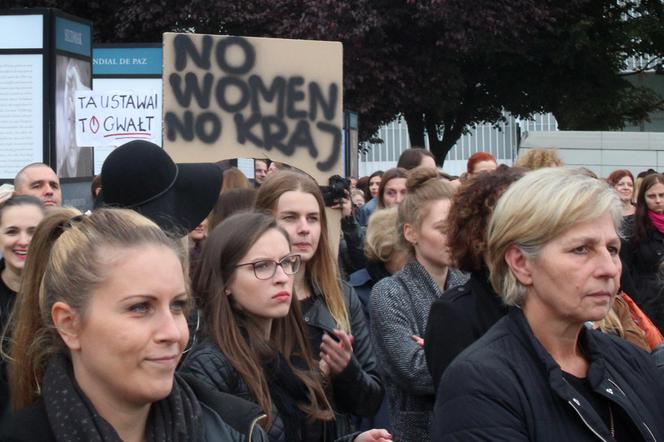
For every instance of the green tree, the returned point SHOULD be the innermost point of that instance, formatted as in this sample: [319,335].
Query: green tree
[564,57]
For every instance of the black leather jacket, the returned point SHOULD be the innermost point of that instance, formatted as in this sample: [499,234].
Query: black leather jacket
[211,368]
[227,417]
[358,389]
[214,372]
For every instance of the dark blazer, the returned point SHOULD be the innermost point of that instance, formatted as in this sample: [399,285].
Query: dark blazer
[506,386]
[459,318]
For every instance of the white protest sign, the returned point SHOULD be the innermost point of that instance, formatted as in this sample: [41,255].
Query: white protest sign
[229,97]
[112,118]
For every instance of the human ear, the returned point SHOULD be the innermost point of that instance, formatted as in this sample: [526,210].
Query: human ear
[410,233]
[67,324]
[519,265]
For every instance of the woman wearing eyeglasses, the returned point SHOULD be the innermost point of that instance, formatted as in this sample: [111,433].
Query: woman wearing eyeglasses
[255,345]
[336,325]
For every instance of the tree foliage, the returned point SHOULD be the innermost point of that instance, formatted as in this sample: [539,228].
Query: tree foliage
[442,64]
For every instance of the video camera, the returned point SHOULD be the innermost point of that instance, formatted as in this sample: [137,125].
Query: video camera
[336,190]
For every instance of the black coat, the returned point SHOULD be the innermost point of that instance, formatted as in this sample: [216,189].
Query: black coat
[358,389]
[7,299]
[226,418]
[644,257]
[642,260]
[506,386]
[458,319]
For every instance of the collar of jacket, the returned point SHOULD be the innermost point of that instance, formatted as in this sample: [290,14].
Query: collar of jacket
[319,315]
[414,271]
[599,377]
[240,414]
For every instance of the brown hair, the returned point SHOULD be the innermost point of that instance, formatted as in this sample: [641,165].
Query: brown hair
[390,174]
[363,185]
[227,245]
[424,187]
[230,202]
[66,263]
[234,179]
[641,219]
[322,268]
[411,158]
[21,200]
[469,216]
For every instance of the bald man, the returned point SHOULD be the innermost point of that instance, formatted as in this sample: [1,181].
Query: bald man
[39,180]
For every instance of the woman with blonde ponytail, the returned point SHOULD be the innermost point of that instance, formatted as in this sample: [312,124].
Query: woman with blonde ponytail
[99,329]
[333,314]
[400,304]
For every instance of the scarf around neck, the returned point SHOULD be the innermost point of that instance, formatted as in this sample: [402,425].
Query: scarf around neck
[657,220]
[73,418]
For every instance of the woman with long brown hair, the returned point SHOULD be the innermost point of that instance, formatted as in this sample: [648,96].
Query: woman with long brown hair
[331,309]
[256,346]
[643,253]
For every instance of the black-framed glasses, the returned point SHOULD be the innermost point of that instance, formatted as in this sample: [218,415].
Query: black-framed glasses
[266,268]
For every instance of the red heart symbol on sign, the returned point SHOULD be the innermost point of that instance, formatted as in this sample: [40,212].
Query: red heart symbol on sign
[94,125]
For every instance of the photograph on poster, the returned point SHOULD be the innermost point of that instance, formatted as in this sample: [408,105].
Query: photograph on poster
[71,75]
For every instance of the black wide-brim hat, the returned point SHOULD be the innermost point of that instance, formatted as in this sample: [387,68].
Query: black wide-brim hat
[141,176]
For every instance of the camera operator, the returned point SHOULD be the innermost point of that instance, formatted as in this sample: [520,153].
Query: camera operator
[351,245]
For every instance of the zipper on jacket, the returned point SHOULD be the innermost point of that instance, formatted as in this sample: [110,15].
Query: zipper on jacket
[644,424]
[585,422]
[253,425]
[650,432]
[617,386]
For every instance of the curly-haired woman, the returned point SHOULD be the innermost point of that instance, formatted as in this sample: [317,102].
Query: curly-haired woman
[466,312]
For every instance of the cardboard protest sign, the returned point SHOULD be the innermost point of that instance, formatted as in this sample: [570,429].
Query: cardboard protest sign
[228,97]
[112,118]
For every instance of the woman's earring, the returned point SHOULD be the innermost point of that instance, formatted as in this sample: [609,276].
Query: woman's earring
[227,292]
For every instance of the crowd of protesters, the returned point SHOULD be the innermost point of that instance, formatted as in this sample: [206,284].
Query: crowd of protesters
[197,304]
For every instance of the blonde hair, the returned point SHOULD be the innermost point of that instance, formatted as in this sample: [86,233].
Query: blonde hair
[424,187]
[67,261]
[382,238]
[539,158]
[535,210]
